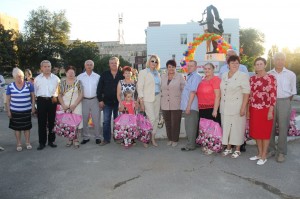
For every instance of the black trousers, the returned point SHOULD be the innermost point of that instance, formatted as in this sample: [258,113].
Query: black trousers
[46,115]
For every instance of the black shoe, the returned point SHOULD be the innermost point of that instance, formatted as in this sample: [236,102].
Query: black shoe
[98,141]
[85,141]
[41,147]
[52,145]
[243,147]
[186,149]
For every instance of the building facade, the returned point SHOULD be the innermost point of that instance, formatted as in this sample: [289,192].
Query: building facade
[9,22]
[170,41]
[133,53]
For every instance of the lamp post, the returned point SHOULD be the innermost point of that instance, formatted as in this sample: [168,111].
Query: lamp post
[271,58]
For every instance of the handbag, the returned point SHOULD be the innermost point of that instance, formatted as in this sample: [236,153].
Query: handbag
[210,135]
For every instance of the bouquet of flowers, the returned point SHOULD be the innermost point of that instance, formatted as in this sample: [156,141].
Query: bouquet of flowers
[125,128]
[144,127]
[293,131]
[210,135]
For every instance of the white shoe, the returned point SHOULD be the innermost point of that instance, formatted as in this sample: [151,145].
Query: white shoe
[174,144]
[169,143]
[261,161]
[255,158]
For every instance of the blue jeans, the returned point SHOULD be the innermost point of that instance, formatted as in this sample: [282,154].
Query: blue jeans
[107,111]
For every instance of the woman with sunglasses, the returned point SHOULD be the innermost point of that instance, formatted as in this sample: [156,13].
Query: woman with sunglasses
[148,87]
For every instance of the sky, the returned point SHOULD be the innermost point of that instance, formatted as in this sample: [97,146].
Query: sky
[95,20]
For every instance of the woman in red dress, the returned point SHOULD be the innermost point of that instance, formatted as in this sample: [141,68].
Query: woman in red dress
[261,104]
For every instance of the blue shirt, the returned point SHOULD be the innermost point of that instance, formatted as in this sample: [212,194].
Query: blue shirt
[20,100]
[225,69]
[192,82]
[156,80]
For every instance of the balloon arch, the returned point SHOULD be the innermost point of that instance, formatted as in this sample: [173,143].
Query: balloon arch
[189,54]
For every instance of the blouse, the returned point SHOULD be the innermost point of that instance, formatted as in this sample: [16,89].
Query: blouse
[206,92]
[263,91]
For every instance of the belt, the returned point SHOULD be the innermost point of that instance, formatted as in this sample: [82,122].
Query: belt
[44,98]
[89,98]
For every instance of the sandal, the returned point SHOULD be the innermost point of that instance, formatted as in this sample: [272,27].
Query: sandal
[209,152]
[236,154]
[76,144]
[226,152]
[19,148]
[69,143]
[28,146]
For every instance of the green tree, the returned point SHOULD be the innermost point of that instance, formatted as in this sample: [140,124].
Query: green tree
[102,64]
[45,37]
[251,41]
[248,61]
[78,52]
[8,49]
[270,64]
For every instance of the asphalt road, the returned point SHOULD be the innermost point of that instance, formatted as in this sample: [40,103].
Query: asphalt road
[162,172]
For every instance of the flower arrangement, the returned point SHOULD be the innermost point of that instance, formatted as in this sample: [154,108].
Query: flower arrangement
[64,130]
[209,141]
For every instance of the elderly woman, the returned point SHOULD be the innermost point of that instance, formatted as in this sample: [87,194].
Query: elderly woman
[70,96]
[148,87]
[20,106]
[235,89]
[261,106]
[172,84]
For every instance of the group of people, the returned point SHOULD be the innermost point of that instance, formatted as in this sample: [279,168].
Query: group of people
[228,99]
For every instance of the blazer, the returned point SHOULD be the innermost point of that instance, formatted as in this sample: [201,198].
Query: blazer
[232,91]
[146,85]
[171,94]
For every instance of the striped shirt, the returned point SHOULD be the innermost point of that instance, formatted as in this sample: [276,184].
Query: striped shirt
[20,100]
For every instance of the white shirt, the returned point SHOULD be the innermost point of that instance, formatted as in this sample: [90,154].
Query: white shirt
[225,69]
[89,83]
[286,83]
[46,87]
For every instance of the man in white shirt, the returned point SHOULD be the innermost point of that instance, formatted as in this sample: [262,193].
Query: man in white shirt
[286,89]
[225,68]
[90,103]
[46,92]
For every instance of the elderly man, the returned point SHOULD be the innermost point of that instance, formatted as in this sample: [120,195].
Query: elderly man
[90,103]
[286,88]
[107,96]
[189,105]
[46,91]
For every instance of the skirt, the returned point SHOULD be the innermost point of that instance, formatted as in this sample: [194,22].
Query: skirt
[259,126]
[20,121]
[233,129]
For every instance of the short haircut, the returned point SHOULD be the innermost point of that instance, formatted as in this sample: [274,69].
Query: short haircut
[16,71]
[45,61]
[260,59]
[210,64]
[279,55]
[171,62]
[89,60]
[194,61]
[71,68]
[233,58]
[126,68]
[115,58]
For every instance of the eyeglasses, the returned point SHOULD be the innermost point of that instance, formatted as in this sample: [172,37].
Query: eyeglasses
[154,61]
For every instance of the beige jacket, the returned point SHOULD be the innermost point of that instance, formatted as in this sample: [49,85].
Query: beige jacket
[171,94]
[232,91]
[146,85]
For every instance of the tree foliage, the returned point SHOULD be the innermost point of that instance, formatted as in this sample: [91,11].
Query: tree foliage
[45,37]
[78,52]
[8,49]
[251,41]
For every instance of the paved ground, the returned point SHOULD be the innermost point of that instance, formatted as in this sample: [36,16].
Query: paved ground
[157,172]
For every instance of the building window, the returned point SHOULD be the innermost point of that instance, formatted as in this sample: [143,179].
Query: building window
[227,38]
[183,38]
[195,35]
